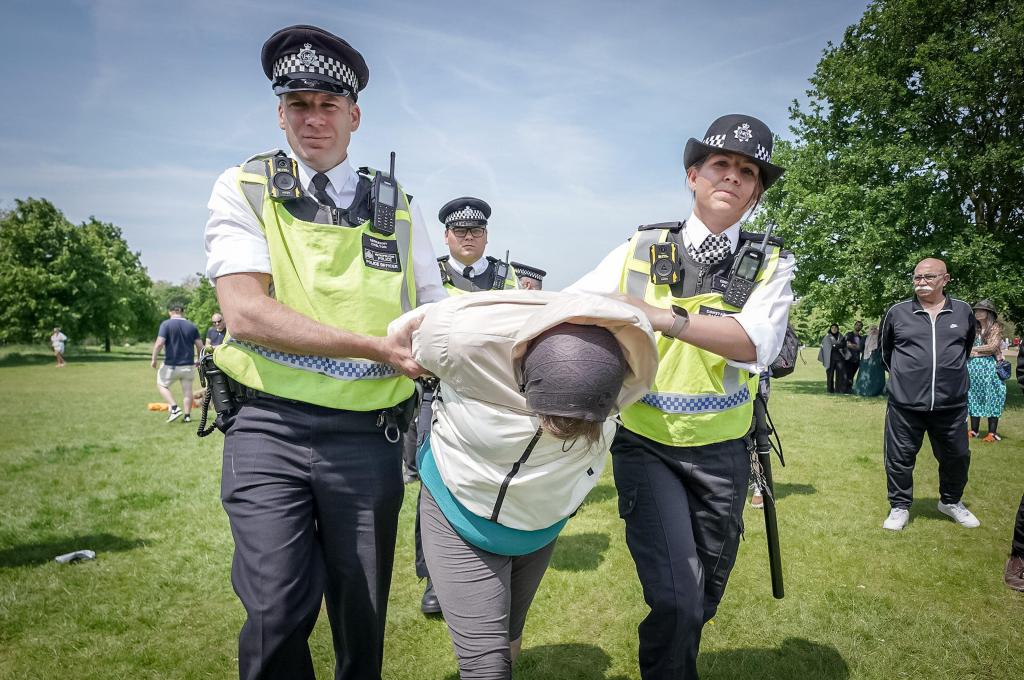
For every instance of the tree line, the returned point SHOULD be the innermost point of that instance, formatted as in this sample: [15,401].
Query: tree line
[83,278]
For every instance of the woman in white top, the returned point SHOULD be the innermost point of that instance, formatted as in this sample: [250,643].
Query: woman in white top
[57,340]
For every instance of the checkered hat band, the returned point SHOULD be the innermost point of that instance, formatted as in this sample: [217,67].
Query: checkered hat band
[341,369]
[466,214]
[762,154]
[324,66]
[698,403]
[715,140]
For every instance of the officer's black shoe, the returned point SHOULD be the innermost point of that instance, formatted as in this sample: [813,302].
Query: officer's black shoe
[430,605]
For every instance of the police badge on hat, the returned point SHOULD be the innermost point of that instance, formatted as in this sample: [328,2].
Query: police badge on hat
[309,59]
[740,134]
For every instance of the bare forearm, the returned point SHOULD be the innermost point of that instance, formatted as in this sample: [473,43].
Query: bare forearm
[721,335]
[267,322]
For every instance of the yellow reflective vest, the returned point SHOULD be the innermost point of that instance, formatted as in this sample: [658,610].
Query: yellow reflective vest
[339,274]
[697,398]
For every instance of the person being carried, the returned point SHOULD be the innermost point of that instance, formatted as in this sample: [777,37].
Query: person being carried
[179,339]
[529,384]
[925,344]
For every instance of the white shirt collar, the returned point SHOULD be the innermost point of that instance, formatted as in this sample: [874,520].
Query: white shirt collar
[696,231]
[342,178]
[479,267]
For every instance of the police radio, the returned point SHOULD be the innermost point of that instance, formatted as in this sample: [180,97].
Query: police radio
[666,267]
[384,199]
[745,268]
[500,274]
[282,178]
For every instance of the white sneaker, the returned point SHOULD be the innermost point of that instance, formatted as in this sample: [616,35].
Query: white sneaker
[897,519]
[174,414]
[960,514]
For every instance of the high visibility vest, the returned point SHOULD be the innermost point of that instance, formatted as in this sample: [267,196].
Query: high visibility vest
[697,398]
[457,284]
[338,273]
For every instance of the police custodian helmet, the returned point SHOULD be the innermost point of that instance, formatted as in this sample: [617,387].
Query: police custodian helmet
[309,59]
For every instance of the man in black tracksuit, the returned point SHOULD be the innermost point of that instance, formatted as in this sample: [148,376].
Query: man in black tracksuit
[926,342]
[1013,575]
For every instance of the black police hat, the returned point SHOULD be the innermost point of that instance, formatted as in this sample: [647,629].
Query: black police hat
[307,58]
[529,270]
[465,212]
[740,134]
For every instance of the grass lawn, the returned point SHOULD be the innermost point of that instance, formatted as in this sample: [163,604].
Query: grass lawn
[83,464]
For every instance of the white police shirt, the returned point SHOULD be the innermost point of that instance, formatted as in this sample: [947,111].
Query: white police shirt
[479,267]
[235,242]
[763,318]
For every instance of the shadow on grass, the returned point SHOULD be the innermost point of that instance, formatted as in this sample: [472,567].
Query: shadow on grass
[927,507]
[571,661]
[29,554]
[580,552]
[795,658]
[19,359]
[783,489]
[600,494]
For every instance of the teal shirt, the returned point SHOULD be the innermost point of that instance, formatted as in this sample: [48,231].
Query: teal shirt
[474,529]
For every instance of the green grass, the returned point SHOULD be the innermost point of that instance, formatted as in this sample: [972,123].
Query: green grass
[84,465]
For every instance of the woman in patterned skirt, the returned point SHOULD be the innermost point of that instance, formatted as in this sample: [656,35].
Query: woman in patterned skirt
[987,394]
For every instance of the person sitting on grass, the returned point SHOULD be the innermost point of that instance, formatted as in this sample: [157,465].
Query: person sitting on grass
[521,427]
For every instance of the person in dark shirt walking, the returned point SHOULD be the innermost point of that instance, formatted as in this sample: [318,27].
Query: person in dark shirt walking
[926,342]
[179,338]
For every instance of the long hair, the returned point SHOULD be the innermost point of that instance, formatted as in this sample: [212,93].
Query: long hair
[565,428]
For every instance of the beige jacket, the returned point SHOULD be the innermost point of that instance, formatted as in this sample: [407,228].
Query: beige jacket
[481,425]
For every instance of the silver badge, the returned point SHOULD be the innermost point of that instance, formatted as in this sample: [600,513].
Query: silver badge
[743,133]
[306,55]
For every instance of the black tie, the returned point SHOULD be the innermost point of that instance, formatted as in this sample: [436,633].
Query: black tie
[467,272]
[320,182]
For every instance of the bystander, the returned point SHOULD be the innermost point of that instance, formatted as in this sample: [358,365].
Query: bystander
[178,337]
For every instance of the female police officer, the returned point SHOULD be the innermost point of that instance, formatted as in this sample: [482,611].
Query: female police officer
[680,460]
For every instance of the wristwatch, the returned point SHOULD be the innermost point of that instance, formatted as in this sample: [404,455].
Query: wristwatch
[680,320]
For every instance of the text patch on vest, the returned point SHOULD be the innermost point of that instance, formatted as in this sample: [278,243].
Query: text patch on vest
[381,254]
[719,284]
[712,311]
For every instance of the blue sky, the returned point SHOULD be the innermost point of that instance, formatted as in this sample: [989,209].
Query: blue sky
[569,118]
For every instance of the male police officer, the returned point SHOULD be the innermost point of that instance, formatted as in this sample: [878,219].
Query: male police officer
[308,283]
[465,270]
[530,277]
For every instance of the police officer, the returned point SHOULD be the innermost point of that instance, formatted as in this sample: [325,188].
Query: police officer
[680,460]
[464,270]
[530,277]
[307,283]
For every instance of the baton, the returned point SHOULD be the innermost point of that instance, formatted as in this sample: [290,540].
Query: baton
[763,449]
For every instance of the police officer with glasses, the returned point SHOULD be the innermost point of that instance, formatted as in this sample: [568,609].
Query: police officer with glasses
[312,258]
[681,459]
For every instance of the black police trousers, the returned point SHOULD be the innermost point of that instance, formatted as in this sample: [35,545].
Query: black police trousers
[312,495]
[904,433]
[683,509]
[411,442]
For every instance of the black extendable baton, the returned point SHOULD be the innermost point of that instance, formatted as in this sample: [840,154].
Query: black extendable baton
[763,449]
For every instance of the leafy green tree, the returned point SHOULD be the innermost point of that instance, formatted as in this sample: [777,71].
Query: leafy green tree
[910,145]
[39,284]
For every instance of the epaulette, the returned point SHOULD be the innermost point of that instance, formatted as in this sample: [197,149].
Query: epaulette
[757,237]
[671,226]
[443,258]
[265,154]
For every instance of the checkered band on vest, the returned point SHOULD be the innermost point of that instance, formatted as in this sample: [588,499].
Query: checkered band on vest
[715,140]
[342,369]
[291,64]
[701,403]
[762,154]
[465,215]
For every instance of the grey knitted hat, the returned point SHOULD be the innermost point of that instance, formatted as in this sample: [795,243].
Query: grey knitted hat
[574,371]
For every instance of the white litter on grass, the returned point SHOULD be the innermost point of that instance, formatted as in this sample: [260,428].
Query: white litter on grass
[75,556]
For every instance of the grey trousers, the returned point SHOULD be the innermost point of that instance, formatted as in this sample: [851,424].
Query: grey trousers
[312,495]
[484,596]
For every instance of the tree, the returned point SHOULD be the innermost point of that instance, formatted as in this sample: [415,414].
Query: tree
[910,145]
[83,279]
